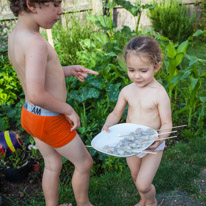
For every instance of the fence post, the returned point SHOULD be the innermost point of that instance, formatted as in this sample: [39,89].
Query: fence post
[97,7]
[49,35]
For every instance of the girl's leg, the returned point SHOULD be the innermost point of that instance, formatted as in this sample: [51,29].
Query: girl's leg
[134,164]
[147,171]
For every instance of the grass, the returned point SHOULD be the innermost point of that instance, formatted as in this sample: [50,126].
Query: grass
[181,164]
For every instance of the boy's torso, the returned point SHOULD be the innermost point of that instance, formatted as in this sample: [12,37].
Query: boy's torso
[143,105]
[19,41]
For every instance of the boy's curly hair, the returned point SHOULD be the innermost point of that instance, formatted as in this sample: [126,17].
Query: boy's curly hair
[17,6]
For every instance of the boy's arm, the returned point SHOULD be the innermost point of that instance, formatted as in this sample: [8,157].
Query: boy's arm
[115,116]
[164,108]
[35,64]
[78,71]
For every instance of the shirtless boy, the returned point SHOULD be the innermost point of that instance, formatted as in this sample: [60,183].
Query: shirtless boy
[46,115]
[149,105]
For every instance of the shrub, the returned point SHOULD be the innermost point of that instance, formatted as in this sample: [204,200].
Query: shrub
[202,21]
[171,18]
[67,38]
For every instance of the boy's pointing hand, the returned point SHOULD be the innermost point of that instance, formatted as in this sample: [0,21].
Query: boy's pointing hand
[81,72]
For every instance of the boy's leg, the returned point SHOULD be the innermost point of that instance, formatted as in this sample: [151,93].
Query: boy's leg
[134,164]
[76,153]
[148,169]
[50,179]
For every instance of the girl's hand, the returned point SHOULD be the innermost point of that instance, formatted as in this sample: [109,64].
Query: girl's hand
[105,128]
[81,73]
[155,144]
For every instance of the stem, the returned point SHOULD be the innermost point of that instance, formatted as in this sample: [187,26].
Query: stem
[138,21]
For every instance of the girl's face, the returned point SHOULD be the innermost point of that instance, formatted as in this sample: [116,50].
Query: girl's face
[140,69]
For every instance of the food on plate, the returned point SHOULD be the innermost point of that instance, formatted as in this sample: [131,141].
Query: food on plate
[133,143]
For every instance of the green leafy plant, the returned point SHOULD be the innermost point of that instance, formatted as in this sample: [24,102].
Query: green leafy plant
[66,38]
[9,87]
[171,18]
[16,159]
[174,77]
[202,21]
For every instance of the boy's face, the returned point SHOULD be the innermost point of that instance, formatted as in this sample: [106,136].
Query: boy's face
[47,14]
[140,69]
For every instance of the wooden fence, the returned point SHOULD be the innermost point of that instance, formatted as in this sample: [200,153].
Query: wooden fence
[68,6]
[121,16]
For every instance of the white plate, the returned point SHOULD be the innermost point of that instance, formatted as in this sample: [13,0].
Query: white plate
[112,138]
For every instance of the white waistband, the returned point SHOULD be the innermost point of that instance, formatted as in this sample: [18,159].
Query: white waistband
[38,110]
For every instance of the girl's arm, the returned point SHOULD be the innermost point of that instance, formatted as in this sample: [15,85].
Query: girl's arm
[115,116]
[164,109]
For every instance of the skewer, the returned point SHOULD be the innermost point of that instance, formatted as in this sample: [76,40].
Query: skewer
[173,127]
[158,134]
[167,132]
[131,150]
[160,139]
[144,151]
[158,130]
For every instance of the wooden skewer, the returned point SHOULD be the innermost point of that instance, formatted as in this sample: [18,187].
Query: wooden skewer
[144,151]
[158,134]
[158,130]
[132,150]
[160,139]
[166,132]
[173,127]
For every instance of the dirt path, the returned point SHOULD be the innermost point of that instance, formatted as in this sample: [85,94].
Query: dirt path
[179,198]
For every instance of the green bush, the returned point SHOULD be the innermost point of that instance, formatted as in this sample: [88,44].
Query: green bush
[67,37]
[202,21]
[10,87]
[171,19]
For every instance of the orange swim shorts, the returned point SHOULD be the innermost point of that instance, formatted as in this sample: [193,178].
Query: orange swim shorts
[53,130]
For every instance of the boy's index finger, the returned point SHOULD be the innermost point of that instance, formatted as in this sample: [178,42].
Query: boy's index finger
[89,71]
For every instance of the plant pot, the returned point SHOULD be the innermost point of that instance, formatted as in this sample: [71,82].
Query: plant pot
[17,174]
[36,167]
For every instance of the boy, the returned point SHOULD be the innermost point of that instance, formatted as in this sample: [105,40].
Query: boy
[46,115]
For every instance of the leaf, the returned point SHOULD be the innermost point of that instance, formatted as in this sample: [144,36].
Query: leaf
[183,47]
[101,38]
[171,52]
[101,21]
[122,63]
[87,93]
[198,32]
[113,91]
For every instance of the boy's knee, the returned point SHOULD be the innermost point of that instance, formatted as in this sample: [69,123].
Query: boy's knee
[53,165]
[86,165]
[89,163]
